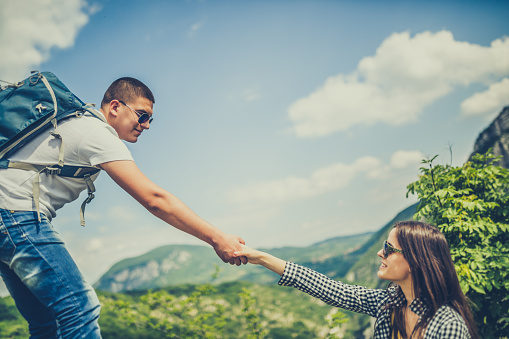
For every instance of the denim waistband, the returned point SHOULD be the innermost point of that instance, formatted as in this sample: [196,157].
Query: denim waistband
[19,215]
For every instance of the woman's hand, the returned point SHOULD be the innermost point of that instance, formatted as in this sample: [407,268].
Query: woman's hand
[261,258]
[253,256]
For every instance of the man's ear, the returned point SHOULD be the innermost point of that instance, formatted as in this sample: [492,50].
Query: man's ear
[113,107]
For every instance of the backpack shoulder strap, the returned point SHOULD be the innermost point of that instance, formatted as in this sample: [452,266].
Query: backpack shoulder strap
[64,171]
[90,108]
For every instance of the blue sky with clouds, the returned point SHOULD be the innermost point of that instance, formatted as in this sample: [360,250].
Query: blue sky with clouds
[285,122]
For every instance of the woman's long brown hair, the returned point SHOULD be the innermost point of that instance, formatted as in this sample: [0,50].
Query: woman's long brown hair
[434,277]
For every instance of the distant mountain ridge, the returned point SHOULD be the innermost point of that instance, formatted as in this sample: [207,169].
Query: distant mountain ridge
[182,264]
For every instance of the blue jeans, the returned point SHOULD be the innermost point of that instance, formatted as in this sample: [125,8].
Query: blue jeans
[43,279]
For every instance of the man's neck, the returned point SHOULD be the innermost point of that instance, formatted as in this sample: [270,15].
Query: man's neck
[104,114]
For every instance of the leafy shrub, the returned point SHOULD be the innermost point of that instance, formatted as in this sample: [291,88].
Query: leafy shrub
[470,205]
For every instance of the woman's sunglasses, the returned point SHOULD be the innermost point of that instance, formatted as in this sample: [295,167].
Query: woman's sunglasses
[388,249]
[143,117]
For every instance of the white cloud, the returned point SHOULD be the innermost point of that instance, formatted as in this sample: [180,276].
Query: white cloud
[488,102]
[30,29]
[322,180]
[404,76]
[327,179]
[402,159]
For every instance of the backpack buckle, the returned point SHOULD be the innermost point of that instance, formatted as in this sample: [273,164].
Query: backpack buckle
[53,170]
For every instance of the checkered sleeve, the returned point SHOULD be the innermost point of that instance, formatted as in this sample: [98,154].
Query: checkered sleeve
[454,330]
[335,293]
[447,323]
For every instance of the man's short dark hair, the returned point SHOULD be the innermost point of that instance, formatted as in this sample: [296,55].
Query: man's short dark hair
[128,90]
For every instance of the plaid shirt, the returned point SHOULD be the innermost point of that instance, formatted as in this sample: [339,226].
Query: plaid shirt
[446,323]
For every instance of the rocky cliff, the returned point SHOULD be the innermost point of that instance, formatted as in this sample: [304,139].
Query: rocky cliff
[496,137]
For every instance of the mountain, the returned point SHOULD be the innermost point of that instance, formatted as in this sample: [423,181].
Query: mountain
[496,137]
[363,272]
[181,264]
[350,257]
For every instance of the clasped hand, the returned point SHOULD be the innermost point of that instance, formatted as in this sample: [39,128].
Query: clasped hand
[226,246]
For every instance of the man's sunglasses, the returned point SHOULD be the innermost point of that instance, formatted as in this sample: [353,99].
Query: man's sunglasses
[143,117]
[388,249]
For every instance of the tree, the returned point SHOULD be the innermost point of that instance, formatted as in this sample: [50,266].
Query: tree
[470,205]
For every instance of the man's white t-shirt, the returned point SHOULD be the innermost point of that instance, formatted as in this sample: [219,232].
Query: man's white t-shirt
[87,141]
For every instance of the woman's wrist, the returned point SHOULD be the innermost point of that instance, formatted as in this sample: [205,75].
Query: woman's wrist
[273,263]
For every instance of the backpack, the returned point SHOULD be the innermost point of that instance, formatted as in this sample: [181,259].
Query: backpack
[26,109]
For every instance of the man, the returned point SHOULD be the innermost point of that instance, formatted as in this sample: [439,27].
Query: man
[39,273]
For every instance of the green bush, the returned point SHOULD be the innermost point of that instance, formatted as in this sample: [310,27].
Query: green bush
[470,205]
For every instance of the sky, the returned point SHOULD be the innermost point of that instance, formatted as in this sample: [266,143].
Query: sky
[284,122]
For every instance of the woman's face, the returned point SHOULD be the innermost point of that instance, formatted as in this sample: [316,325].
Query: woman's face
[395,268]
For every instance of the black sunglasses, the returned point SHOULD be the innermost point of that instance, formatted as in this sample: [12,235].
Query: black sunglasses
[143,117]
[388,249]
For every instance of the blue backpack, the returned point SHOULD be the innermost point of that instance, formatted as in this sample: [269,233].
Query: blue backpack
[28,108]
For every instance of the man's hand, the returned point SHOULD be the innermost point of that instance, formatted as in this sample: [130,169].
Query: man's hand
[225,245]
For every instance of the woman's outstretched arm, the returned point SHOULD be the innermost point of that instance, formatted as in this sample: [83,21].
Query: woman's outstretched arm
[261,258]
[351,297]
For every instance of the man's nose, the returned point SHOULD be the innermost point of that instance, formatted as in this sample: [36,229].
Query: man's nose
[145,125]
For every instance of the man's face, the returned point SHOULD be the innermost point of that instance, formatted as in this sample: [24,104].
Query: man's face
[127,125]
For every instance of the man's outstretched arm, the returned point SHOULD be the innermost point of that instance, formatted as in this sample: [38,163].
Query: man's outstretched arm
[172,210]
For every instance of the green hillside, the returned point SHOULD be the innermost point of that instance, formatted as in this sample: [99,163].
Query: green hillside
[277,312]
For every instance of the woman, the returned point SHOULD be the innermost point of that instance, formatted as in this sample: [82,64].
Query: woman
[423,300]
